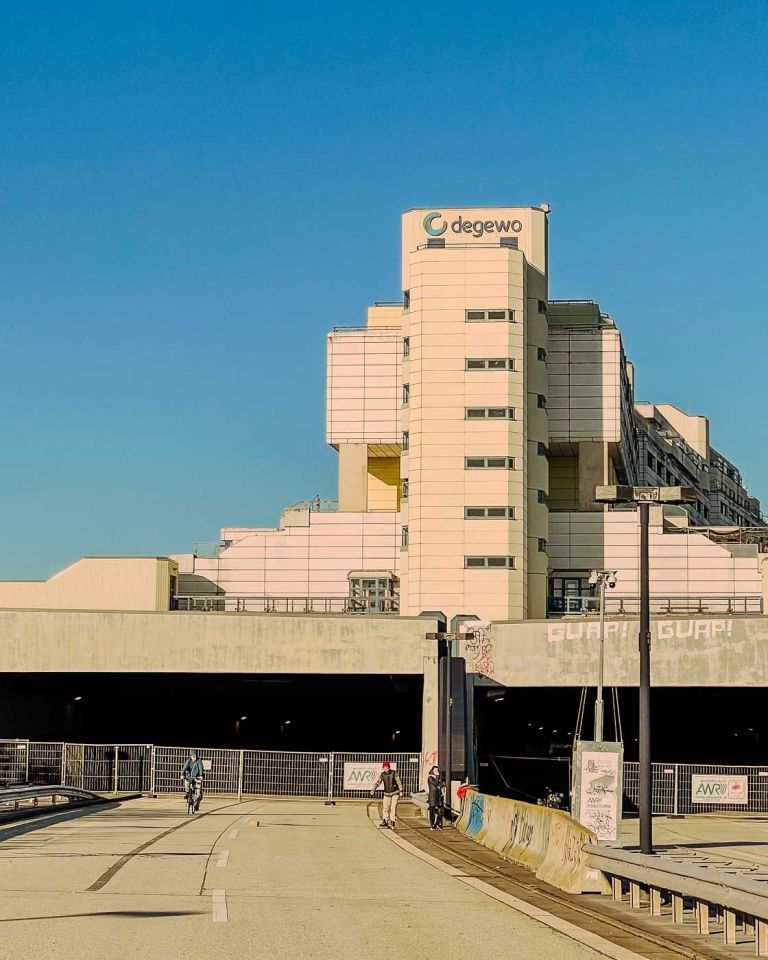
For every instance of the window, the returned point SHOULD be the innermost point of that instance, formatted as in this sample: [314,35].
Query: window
[503,363]
[541,354]
[542,306]
[406,437]
[404,538]
[507,562]
[436,242]
[406,346]
[489,413]
[541,449]
[511,242]
[651,461]
[406,299]
[541,497]
[489,513]
[541,401]
[404,490]
[489,463]
[481,316]
[406,392]
[542,545]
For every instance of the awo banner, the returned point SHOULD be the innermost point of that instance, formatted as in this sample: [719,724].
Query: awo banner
[362,774]
[713,788]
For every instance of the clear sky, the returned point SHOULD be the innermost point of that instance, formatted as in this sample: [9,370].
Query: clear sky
[193,194]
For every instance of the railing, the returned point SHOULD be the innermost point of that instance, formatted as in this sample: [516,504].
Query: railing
[673,791]
[224,603]
[314,505]
[685,886]
[16,796]
[630,606]
[146,768]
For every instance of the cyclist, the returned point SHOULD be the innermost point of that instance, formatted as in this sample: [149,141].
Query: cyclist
[192,773]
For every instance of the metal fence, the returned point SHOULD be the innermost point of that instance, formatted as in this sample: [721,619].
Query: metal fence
[146,768]
[672,788]
[14,762]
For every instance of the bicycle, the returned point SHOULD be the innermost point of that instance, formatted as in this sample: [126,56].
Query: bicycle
[191,796]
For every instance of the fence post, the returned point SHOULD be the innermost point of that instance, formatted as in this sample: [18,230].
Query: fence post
[240,777]
[329,801]
[63,764]
[677,789]
[152,771]
[116,763]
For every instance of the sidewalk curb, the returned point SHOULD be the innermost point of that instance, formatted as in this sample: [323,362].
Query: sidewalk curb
[568,929]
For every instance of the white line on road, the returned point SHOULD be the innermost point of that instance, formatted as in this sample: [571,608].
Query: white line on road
[223,859]
[233,834]
[220,914]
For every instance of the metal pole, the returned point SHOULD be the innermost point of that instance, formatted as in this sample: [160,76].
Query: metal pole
[329,801]
[116,762]
[644,720]
[448,725]
[240,776]
[599,705]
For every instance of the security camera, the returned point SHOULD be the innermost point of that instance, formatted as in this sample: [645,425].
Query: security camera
[612,581]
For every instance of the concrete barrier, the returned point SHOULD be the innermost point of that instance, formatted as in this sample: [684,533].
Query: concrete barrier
[544,840]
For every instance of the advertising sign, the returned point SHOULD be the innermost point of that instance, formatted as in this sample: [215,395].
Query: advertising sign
[714,788]
[362,774]
[597,791]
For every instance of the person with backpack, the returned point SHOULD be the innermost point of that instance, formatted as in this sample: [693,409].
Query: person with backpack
[435,799]
[389,780]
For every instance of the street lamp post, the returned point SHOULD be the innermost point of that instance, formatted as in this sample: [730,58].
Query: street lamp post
[601,579]
[644,497]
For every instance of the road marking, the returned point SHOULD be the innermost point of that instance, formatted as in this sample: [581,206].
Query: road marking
[223,859]
[233,834]
[220,914]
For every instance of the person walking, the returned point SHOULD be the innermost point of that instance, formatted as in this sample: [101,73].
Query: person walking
[389,780]
[435,799]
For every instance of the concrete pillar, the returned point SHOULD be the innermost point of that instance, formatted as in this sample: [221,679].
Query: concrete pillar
[593,472]
[429,719]
[353,477]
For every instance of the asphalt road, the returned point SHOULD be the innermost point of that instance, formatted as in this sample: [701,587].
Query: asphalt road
[143,881]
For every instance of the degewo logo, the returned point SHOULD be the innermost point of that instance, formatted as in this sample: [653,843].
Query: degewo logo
[477,228]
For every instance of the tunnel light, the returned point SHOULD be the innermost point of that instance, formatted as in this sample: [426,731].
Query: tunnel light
[243,718]
[78,698]
[286,721]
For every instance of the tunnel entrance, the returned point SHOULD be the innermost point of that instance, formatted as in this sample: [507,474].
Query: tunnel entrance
[264,712]
[524,735]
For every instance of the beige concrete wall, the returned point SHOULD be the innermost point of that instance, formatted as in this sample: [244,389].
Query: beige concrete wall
[584,383]
[97,583]
[681,564]
[685,652]
[363,386]
[57,641]
[444,284]
[353,477]
[310,558]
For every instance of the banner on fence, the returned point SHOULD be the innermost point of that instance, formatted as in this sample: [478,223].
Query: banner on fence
[597,793]
[716,788]
[362,774]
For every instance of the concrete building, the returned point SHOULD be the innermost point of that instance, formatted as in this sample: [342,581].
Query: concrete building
[99,583]
[473,421]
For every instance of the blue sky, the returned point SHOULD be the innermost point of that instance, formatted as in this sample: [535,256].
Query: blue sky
[191,195]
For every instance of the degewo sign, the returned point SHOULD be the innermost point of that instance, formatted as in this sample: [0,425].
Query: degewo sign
[362,774]
[714,788]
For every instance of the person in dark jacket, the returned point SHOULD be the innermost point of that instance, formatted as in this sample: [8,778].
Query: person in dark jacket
[435,799]
[389,780]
